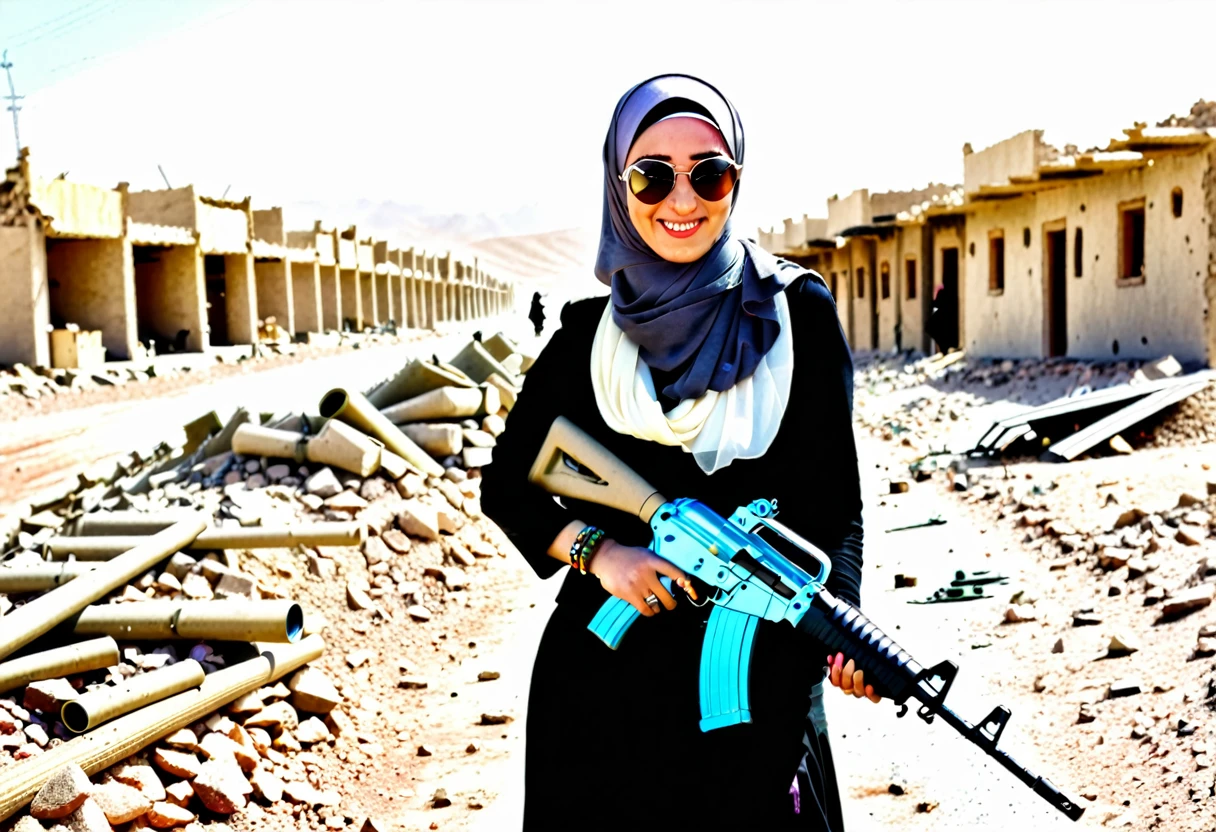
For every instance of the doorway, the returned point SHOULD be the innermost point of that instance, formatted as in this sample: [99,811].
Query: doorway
[216,277]
[1055,297]
[943,323]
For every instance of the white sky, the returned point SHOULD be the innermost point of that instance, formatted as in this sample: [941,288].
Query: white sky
[490,106]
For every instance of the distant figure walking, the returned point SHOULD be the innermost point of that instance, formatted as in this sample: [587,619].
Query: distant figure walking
[537,313]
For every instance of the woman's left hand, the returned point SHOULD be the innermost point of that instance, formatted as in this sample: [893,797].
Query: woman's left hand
[843,675]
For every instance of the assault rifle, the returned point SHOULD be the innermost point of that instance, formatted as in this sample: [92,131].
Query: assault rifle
[740,562]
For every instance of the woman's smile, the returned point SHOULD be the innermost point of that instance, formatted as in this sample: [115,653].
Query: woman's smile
[682,229]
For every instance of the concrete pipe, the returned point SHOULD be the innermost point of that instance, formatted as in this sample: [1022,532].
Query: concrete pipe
[500,346]
[117,740]
[253,537]
[414,379]
[271,621]
[444,403]
[41,577]
[354,409]
[92,709]
[507,392]
[336,444]
[39,616]
[127,522]
[93,654]
[475,362]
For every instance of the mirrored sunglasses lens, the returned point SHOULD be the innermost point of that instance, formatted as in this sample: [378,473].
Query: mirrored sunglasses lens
[714,179]
[651,181]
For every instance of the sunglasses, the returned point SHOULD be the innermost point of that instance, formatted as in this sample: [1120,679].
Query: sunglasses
[651,180]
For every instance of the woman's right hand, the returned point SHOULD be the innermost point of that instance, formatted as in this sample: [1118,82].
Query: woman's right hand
[632,573]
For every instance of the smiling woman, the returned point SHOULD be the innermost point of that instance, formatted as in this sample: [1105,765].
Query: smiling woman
[718,372]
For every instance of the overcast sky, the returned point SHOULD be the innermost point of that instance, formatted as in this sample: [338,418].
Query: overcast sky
[491,106]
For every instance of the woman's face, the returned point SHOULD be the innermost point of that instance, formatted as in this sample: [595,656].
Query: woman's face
[683,227]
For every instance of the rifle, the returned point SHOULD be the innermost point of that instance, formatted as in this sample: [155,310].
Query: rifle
[740,562]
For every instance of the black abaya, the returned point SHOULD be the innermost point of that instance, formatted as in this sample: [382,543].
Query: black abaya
[612,737]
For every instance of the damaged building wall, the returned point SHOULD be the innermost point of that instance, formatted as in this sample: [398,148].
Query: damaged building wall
[306,295]
[171,294]
[863,307]
[1209,285]
[274,293]
[92,284]
[78,210]
[1106,315]
[24,295]
[222,230]
[175,206]
[951,263]
[907,279]
[886,255]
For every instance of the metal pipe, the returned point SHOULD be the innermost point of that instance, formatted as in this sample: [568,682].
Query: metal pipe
[40,577]
[93,654]
[251,537]
[39,616]
[336,444]
[117,740]
[414,379]
[354,409]
[270,621]
[92,709]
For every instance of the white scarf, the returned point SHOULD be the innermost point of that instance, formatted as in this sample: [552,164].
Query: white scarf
[717,428]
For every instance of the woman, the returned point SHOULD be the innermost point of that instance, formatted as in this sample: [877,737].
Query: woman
[717,372]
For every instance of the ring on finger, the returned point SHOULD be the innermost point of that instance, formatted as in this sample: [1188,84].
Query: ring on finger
[652,601]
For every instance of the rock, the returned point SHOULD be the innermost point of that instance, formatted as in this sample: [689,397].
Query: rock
[1085,618]
[1120,445]
[418,613]
[440,799]
[88,818]
[301,792]
[1136,567]
[424,751]
[1086,714]
[278,472]
[255,481]
[278,715]
[61,795]
[37,735]
[460,554]
[373,488]
[1122,644]
[250,703]
[1130,517]
[1123,687]
[1114,557]
[478,439]
[1204,648]
[312,730]
[120,802]
[141,776]
[396,540]
[8,723]
[495,719]
[375,550]
[196,586]
[167,582]
[48,696]
[324,484]
[1019,613]
[1191,535]
[419,520]
[221,787]
[357,597]
[266,786]
[236,585]
[1188,600]
[347,502]
[438,439]
[472,748]
[1058,647]
[26,751]
[450,520]
[474,457]
[412,683]
[177,763]
[179,793]
[313,692]
[217,746]
[410,486]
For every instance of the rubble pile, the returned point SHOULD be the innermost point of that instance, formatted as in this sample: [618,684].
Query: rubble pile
[337,522]
[1202,115]
[35,383]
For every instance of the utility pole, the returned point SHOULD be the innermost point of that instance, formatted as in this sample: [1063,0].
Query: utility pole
[162,176]
[13,98]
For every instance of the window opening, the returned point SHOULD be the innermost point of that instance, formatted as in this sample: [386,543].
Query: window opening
[885,278]
[910,277]
[996,262]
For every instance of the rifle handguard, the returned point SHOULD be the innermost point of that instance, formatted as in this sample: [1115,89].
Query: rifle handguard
[843,628]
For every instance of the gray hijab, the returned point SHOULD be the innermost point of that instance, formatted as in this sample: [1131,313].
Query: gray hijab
[711,321]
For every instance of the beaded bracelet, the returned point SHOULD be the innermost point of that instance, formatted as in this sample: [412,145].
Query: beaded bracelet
[585,544]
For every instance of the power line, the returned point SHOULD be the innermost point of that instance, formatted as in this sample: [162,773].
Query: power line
[71,25]
[31,29]
[13,98]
